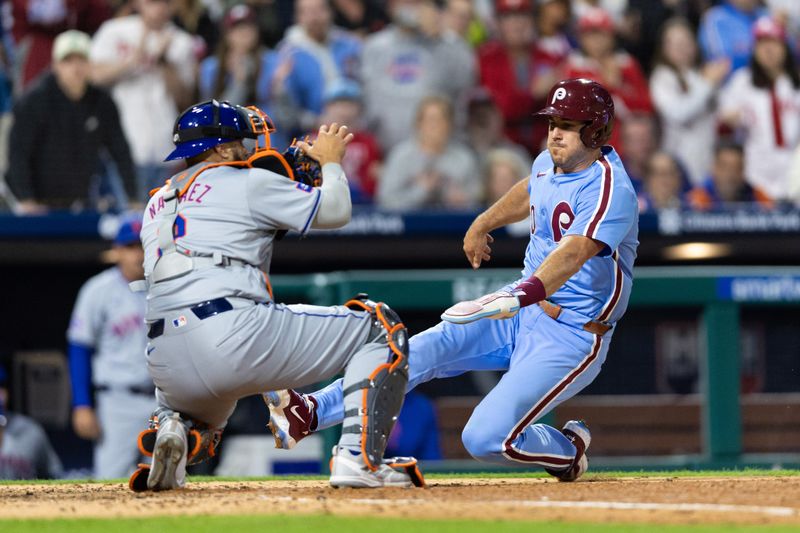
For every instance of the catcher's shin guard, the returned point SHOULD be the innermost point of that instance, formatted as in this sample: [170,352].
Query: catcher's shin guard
[138,480]
[409,466]
[385,388]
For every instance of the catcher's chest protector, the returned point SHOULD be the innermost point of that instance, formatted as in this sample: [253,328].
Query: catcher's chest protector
[173,263]
[273,161]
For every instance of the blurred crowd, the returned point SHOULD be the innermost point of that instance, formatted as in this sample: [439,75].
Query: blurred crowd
[439,93]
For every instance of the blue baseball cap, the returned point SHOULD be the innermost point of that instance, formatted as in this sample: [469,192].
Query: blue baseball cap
[128,232]
[342,89]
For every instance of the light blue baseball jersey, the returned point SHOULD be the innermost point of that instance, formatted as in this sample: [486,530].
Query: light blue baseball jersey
[598,202]
[545,361]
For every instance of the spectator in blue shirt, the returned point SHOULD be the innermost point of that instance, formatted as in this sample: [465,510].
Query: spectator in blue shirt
[725,31]
[334,54]
[242,71]
[727,183]
[665,184]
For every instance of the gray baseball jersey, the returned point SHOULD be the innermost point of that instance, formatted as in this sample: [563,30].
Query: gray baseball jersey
[26,453]
[203,363]
[110,318]
[233,211]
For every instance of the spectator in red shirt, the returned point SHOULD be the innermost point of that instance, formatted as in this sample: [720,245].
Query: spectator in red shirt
[507,70]
[552,45]
[616,70]
[38,22]
[362,162]
[484,131]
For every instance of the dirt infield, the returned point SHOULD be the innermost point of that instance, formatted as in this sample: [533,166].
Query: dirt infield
[666,500]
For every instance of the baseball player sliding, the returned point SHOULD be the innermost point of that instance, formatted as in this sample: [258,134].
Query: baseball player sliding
[550,331]
[216,335]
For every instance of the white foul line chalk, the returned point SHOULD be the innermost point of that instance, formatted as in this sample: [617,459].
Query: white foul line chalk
[616,506]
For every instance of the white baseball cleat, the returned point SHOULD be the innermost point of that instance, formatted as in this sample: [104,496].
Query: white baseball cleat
[349,470]
[497,305]
[168,470]
[578,433]
[290,417]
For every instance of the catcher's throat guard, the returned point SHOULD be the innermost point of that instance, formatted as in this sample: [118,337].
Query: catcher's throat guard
[384,390]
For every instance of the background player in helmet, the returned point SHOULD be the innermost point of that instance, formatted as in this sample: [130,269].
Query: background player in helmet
[556,321]
[107,339]
[215,333]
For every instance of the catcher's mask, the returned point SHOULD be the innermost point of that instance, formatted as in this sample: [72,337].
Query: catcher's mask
[260,125]
[208,124]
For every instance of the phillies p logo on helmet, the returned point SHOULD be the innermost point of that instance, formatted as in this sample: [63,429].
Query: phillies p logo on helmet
[559,94]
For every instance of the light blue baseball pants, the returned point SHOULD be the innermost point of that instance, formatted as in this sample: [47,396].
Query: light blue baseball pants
[545,361]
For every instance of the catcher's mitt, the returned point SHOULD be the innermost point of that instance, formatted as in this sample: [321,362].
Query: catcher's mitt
[306,170]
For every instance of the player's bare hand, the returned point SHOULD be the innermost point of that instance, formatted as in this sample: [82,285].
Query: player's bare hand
[716,71]
[330,144]
[283,70]
[85,424]
[476,246]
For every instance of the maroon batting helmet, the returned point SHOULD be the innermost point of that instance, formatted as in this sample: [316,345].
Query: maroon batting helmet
[586,101]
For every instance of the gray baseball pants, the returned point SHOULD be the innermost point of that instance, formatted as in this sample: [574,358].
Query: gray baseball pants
[202,367]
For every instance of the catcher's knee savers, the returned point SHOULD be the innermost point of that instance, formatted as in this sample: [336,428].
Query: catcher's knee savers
[384,389]
[201,445]
[201,441]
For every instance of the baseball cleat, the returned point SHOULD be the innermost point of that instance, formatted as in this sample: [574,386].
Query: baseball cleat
[578,433]
[168,470]
[348,469]
[291,416]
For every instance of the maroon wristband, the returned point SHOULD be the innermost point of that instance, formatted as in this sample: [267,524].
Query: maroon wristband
[532,291]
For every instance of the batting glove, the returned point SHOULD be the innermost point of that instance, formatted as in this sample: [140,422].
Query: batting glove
[497,305]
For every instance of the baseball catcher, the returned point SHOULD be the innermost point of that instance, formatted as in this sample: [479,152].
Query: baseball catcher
[215,332]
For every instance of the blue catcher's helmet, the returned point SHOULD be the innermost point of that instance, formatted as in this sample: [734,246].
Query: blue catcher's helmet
[207,124]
